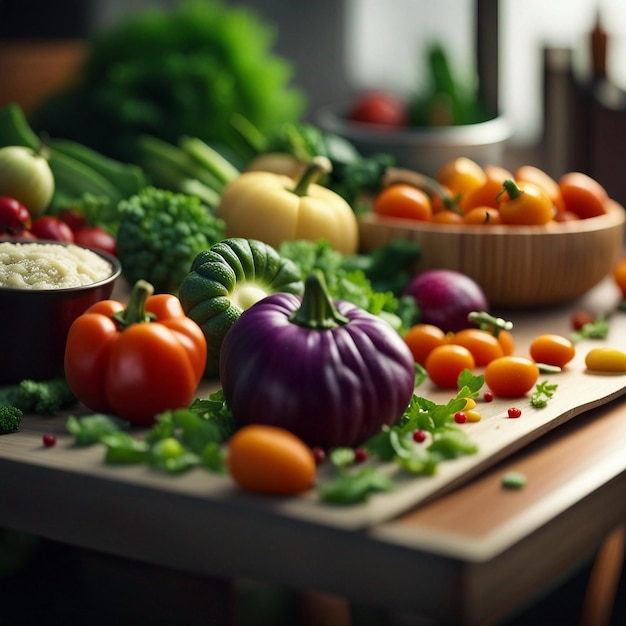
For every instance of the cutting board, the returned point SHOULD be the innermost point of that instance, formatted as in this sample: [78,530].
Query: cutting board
[496,435]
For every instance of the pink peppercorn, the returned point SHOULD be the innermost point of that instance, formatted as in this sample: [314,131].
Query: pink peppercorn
[488,396]
[360,455]
[514,412]
[419,436]
[49,440]
[460,417]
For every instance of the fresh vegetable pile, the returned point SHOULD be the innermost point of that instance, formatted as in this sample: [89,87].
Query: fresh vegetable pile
[251,274]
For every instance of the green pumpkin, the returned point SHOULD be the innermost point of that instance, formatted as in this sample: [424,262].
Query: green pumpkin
[229,278]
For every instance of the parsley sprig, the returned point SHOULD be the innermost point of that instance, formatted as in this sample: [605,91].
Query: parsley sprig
[542,394]
[397,444]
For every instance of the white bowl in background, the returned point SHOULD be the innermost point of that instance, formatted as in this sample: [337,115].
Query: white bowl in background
[423,150]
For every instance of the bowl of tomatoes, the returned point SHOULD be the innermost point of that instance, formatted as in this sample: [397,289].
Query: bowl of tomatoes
[527,239]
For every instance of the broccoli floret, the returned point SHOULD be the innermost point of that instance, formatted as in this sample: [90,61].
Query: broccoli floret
[160,234]
[10,419]
[41,397]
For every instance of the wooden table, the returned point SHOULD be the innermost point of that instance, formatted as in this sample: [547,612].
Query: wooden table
[471,553]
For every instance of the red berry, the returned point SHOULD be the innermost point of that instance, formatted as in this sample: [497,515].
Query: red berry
[318,454]
[49,440]
[360,455]
[419,436]
[460,417]
[514,412]
[488,396]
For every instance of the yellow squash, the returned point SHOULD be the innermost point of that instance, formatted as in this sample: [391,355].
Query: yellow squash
[274,208]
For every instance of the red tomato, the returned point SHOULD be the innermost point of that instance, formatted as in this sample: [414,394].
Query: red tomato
[50,227]
[583,195]
[72,218]
[380,108]
[96,237]
[14,217]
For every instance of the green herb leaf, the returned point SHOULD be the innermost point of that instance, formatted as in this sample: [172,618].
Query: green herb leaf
[542,394]
[90,429]
[352,488]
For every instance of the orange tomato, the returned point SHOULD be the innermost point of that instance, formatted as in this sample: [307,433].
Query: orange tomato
[552,349]
[269,459]
[447,217]
[619,275]
[483,215]
[583,195]
[507,342]
[403,200]
[439,200]
[485,195]
[422,339]
[524,204]
[445,363]
[482,344]
[461,176]
[535,175]
[511,376]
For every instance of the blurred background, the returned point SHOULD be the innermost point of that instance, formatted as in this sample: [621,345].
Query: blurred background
[342,46]
[529,56]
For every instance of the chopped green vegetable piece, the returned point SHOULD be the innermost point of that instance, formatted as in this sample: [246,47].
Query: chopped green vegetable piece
[542,394]
[90,429]
[352,488]
[514,480]
[598,329]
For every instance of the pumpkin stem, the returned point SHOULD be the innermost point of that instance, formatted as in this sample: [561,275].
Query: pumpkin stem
[317,310]
[319,165]
[135,312]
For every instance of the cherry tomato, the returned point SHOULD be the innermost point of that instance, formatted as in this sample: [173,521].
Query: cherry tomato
[14,216]
[422,339]
[485,195]
[619,276]
[507,342]
[402,200]
[24,234]
[50,227]
[583,195]
[95,237]
[73,218]
[445,363]
[511,376]
[552,349]
[524,204]
[269,459]
[483,215]
[535,175]
[461,176]
[380,108]
[447,216]
[483,345]
[580,318]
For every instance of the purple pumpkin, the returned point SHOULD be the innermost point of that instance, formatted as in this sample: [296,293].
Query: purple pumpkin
[330,372]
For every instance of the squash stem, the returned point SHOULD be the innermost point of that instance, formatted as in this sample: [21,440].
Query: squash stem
[317,310]
[135,312]
[319,165]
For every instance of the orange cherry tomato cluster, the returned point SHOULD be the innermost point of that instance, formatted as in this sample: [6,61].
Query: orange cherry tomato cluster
[463,192]
[507,375]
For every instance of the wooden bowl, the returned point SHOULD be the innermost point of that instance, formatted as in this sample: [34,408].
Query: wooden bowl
[517,266]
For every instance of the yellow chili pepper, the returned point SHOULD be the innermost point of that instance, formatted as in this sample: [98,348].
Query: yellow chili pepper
[273,208]
[524,204]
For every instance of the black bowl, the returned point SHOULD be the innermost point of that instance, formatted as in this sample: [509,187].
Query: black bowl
[35,324]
